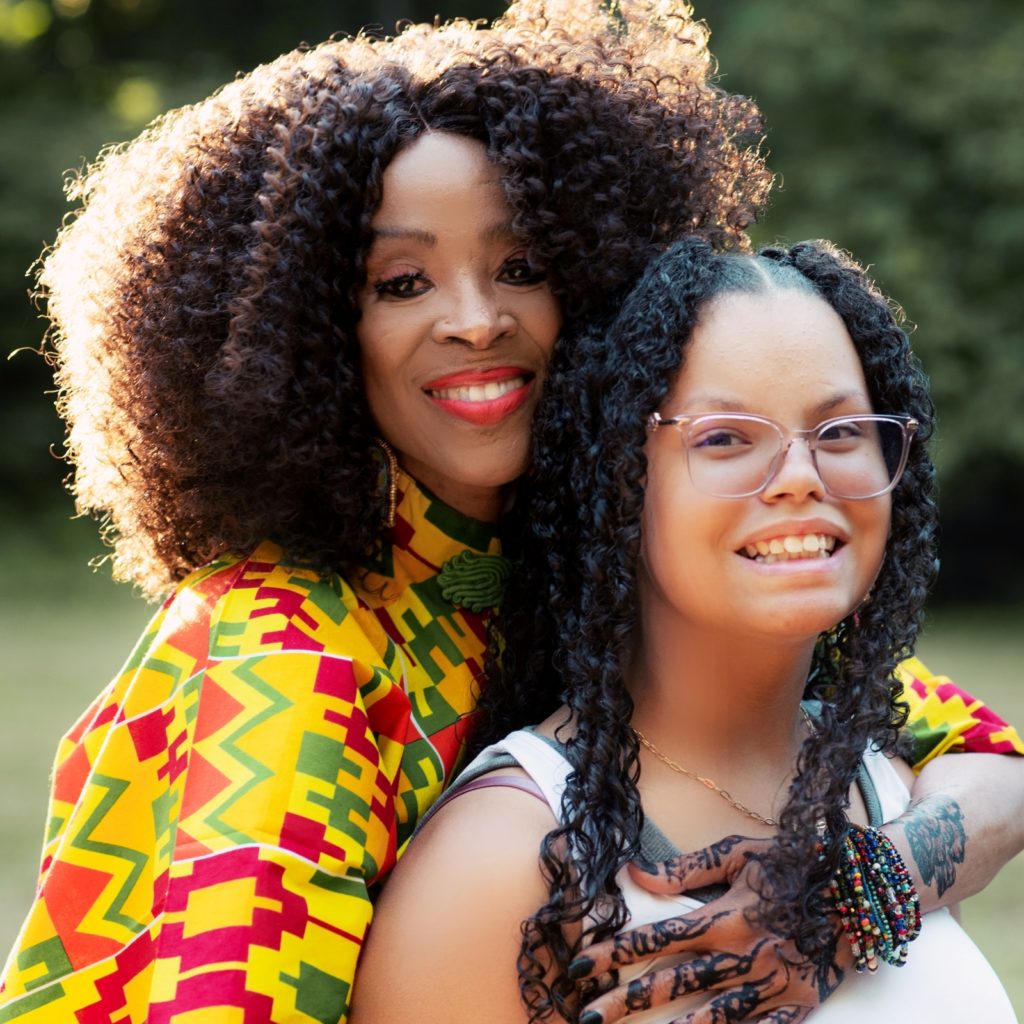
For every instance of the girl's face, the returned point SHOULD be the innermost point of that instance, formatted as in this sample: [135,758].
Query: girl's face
[457,328]
[785,355]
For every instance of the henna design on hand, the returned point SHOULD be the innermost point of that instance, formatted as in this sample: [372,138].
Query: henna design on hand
[739,1003]
[938,840]
[651,939]
[713,857]
[686,978]
[823,975]
[745,972]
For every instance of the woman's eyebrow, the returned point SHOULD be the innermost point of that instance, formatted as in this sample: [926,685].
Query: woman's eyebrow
[413,234]
[501,230]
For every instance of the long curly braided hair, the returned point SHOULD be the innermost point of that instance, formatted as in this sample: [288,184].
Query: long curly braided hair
[580,552]
[201,300]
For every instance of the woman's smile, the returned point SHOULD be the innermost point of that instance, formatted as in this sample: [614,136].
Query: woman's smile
[483,397]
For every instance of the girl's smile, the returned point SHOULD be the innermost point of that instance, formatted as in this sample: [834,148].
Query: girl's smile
[791,560]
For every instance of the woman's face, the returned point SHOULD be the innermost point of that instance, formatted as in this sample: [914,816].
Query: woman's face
[456,328]
[785,355]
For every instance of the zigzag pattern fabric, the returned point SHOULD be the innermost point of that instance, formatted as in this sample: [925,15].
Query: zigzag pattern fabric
[944,718]
[221,812]
[220,815]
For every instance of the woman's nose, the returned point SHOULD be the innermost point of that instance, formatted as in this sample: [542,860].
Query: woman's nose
[473,317]
[795,474]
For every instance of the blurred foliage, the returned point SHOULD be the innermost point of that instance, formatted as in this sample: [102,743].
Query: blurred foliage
[896,128]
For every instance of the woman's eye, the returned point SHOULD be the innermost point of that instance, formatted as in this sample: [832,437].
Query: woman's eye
[520,271]
[402,286]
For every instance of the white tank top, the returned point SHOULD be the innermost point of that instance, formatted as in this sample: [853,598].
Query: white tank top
[945,978]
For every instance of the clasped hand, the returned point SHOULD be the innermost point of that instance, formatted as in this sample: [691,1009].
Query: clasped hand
[748,973]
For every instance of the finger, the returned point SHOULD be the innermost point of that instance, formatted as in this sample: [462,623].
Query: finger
[663,986]
[718,863]
[737,1004]
[590,988]
[786,1015]
[673,935]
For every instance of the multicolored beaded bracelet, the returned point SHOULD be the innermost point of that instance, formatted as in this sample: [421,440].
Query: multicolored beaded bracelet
[875,899]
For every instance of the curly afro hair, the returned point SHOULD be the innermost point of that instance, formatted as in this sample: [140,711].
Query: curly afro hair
[572,611]
[201,300]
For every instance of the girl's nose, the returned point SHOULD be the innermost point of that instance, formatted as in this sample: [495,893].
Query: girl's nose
[795,474]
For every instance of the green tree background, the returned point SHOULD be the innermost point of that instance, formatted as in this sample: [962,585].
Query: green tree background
[896,128]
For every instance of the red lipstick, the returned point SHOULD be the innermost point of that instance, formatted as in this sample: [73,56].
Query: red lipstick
[477,409]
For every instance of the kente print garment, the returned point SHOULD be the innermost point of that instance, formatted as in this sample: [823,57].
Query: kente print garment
[944,718]
[220,813]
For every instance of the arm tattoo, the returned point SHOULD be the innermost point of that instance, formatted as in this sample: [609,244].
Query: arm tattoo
[938,841]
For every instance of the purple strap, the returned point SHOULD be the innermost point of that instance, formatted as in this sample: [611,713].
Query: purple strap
[508,781]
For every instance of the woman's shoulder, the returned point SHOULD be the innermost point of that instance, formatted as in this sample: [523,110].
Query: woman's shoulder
[261,602]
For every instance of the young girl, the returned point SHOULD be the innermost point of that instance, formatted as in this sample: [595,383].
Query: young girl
[738,548]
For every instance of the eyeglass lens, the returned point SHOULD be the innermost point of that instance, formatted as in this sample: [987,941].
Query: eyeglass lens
[734,456]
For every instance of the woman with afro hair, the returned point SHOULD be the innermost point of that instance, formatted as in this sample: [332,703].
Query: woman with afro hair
[300,330]
[731,511]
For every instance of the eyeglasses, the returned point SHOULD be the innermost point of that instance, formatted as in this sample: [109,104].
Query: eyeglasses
[736,455]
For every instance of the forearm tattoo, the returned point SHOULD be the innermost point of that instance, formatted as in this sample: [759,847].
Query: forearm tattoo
[938,840]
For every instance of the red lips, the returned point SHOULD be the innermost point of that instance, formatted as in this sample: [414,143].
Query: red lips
[481,411]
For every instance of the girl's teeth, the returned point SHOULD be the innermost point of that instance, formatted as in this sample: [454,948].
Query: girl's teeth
[479,392]
[785,549]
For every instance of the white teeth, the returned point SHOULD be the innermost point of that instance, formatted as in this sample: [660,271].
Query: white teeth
[794,546]
[479,392]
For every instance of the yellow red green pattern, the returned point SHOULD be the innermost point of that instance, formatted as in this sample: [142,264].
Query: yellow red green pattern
[944,718]
[220,813]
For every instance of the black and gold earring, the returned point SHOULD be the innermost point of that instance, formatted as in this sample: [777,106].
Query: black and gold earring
[387,485]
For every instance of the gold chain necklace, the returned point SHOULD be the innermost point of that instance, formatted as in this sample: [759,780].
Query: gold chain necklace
[710,783]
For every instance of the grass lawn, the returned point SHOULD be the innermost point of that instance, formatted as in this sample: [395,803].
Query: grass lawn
[64,632]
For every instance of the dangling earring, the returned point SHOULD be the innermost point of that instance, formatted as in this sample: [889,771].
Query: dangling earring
[388,481]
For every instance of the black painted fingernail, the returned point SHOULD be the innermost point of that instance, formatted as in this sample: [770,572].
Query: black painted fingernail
[580,968]
[591,1017]
[646,866]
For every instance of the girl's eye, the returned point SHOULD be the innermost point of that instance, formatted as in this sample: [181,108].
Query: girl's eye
[519,271]
[402,286]
[718,437]
[846,430]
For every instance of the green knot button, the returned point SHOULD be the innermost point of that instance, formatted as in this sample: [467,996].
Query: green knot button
[474,581]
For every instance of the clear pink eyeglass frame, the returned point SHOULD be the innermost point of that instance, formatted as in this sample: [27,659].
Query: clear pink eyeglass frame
[812,438]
